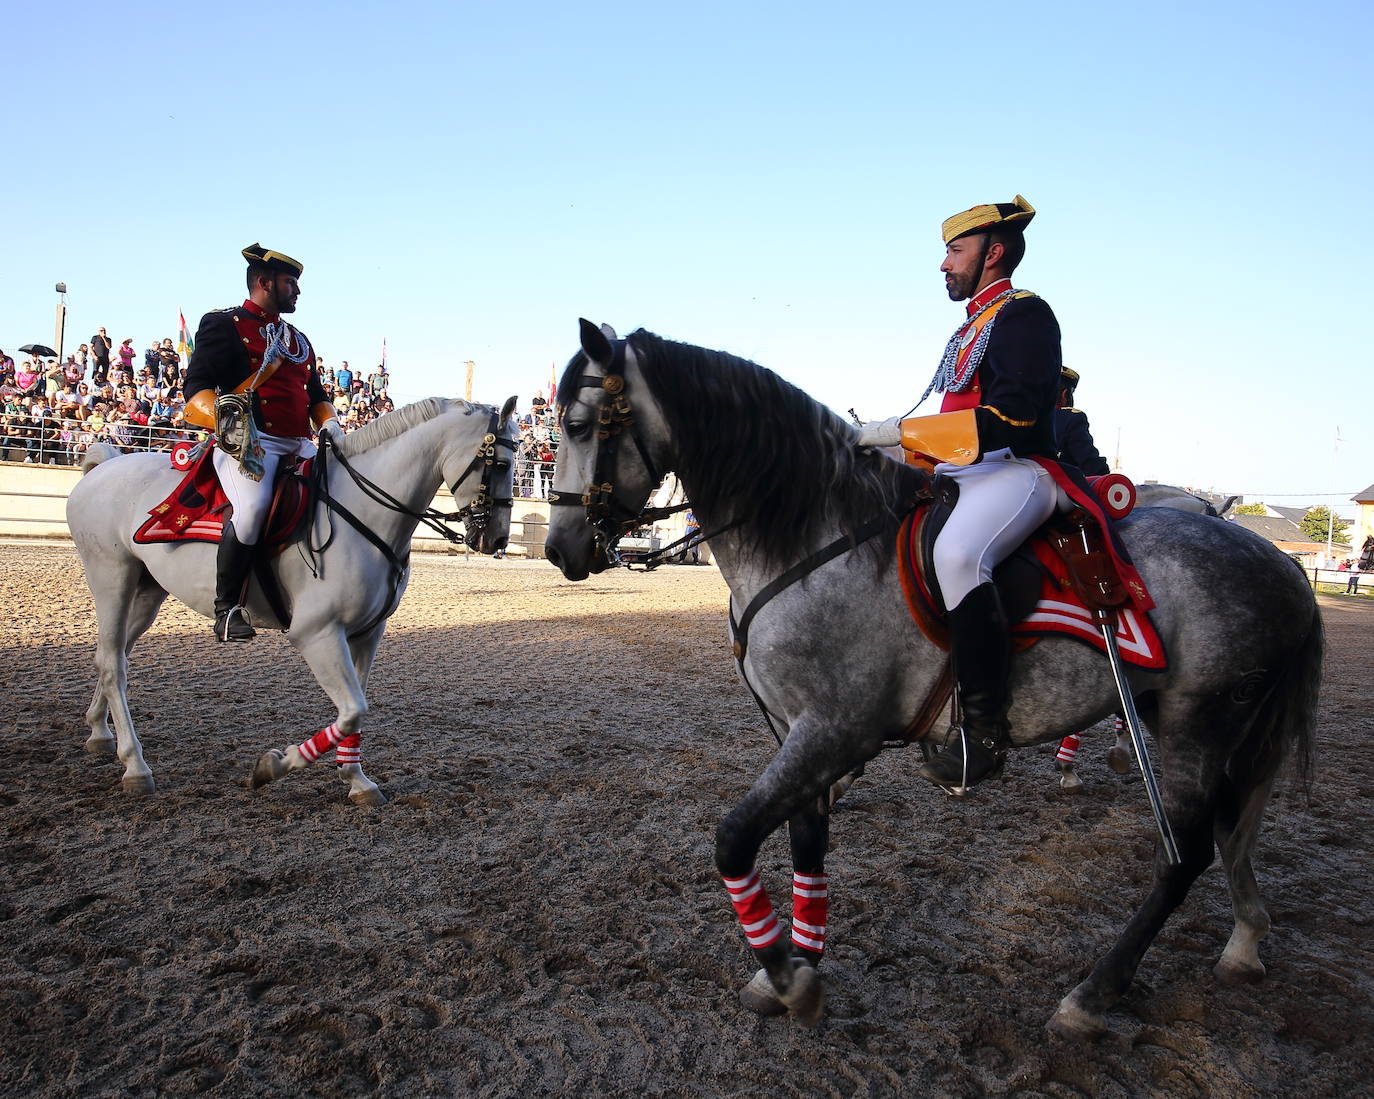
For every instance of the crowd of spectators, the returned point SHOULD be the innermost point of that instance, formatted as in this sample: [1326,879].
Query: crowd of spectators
[534,454]
[51,412]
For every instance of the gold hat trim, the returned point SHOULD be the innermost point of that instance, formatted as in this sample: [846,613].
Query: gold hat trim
[1016,213]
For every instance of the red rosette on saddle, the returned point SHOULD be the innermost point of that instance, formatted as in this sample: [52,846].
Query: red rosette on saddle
[181,455]
[1115,492]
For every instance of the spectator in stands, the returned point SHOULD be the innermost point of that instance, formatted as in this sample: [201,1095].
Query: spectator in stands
[7,363]
[126,355]
[53,377]
[378,380]
[151,359]
[84,398]
[73,371]
[170,360]
[343,378]
[326,374]
[67,405]
[100,350]
[27,379]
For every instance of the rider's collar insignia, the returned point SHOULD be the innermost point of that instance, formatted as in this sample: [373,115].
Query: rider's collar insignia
[980,300]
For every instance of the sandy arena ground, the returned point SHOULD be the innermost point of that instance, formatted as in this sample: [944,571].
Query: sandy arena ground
[535,912]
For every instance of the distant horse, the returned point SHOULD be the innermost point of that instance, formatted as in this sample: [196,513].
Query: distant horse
[839,666]
[1171,496]
[339,599]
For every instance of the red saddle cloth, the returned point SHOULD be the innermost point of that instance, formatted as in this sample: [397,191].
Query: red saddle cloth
[1058,610]
[196,509]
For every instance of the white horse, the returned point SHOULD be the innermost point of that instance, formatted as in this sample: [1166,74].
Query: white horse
[339,598]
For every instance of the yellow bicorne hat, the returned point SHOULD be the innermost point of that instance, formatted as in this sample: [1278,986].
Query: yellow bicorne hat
[277,261]
[1012,215]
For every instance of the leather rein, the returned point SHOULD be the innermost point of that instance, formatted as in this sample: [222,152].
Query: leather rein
[475,516]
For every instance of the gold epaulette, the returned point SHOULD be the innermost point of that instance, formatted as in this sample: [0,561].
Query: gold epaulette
[1024,294]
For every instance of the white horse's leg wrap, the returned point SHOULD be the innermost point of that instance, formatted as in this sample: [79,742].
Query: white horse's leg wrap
[350,750]
[321,742]
[1068,749]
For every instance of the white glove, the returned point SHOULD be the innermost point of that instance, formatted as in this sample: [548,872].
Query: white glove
[881,432]
[333,428]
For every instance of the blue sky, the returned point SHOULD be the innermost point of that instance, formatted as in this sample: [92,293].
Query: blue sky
[467,179]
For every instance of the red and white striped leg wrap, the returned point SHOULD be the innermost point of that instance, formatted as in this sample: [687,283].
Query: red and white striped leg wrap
[320,743]
[754,909]
[350,750]
[810,906]
[1120,726]
[1068,749]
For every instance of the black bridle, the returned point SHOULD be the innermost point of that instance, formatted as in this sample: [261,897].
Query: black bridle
[475,516]
[608,517]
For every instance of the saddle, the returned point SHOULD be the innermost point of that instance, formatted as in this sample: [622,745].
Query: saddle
[1058,582]
[196,509]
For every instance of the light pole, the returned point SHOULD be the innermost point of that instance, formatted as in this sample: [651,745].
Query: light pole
[61,328]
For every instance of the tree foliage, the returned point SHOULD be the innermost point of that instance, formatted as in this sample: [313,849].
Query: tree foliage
[1314,525]
[1252,509]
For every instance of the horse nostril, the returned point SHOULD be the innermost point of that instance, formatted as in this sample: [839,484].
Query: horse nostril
[553,557]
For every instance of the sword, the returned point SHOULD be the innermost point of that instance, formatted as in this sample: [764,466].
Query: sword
[1106,621]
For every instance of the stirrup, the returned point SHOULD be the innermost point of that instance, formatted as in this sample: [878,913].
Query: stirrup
[937,772]
[232,626]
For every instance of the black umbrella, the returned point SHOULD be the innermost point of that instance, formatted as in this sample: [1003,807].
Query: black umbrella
[39,350]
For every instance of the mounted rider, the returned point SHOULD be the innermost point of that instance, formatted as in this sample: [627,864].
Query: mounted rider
[251,352]
[1071,429]
[1004,363]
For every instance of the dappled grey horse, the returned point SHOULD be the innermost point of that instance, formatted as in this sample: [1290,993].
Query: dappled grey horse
[837,663]
[339,599]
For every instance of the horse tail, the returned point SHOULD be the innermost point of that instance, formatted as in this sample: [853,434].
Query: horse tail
[1286,725]
[97,453]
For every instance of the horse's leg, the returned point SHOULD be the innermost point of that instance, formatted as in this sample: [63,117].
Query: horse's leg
[349,757]
[326,652]
[1064,759]
[121,608]
[1238,820]
[802,771]
[1190,758]
[147,601]
[1119,754]
[809,834]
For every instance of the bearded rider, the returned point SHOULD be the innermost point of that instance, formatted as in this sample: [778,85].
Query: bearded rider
[251,350]
[1003,362]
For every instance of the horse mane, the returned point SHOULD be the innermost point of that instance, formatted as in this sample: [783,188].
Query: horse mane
[757,450]
[396,423]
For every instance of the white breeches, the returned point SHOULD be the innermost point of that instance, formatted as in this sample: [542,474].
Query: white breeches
[1002,499]
[251,499]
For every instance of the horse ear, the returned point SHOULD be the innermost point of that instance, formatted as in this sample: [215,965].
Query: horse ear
[595,344]
[506,410]
[608,331]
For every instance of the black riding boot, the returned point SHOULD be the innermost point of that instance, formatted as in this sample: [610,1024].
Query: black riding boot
[232,567]
[981,646]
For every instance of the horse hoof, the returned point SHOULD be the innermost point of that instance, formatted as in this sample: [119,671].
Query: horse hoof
[806,998]
[271,766]
[138,784]
[1119,760]
[1229,973]
[368,799]
[1070,783]
[760,997]
[1072,1022]
[100,747]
